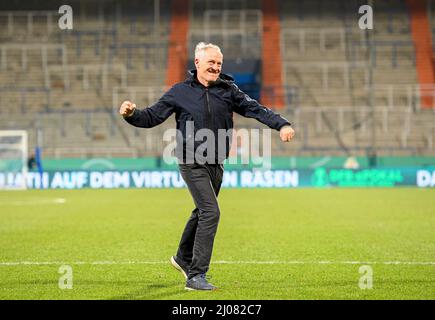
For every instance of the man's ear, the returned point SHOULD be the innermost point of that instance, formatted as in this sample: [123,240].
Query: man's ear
[196,61]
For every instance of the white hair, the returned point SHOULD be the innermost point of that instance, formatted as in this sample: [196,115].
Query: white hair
[202,46]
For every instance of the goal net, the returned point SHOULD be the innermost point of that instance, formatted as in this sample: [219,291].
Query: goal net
[13,159]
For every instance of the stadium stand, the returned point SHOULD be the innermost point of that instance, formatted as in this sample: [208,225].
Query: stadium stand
[348,91]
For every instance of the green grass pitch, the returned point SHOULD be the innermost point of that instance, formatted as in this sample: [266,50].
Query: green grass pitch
[271,244]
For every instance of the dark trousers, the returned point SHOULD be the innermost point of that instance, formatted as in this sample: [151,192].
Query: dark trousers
[196,245]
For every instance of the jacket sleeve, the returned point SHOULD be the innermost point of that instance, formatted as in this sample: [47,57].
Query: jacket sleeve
[154,115]
[251,108]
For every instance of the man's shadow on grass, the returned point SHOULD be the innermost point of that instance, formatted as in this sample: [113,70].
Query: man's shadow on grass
[153,292]
[147,291]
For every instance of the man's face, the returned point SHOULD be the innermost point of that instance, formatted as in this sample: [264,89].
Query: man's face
[209,66]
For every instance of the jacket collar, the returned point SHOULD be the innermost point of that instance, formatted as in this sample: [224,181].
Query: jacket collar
[223,79]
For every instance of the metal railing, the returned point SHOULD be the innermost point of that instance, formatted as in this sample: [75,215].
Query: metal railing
[26,47]
[430,137]
[154,54]
[11,16]
[25,96]
[10,19]
[225,4]
[323,37]
[395,127]
[236,31]
[393,93]
[234,43]
[324,69]
[242,20]
[394,47]
[95,35]
[102,70]
[361,114]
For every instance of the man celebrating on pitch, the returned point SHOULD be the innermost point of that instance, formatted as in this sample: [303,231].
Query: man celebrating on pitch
[205,100]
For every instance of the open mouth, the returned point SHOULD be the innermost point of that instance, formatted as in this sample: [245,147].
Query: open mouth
[213,72]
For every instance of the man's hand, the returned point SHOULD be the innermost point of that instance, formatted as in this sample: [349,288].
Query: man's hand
[286,133]
[127,108]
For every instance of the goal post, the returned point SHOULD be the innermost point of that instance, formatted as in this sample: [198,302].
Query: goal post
[13,159]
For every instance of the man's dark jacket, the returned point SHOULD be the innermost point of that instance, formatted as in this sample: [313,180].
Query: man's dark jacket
[209,107]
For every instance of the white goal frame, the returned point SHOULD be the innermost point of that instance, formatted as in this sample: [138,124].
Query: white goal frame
[23,147]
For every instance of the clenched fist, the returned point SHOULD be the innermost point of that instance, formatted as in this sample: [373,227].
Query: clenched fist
[127,108]
[286,133]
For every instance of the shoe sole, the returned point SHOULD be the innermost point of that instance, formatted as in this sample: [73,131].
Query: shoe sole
[177,266]
[191,289]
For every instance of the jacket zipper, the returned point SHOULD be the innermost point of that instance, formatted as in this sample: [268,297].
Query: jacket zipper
[209,115]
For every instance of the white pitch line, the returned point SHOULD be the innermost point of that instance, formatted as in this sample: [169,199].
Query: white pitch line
[32,202]
[328,262]
[36,263]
